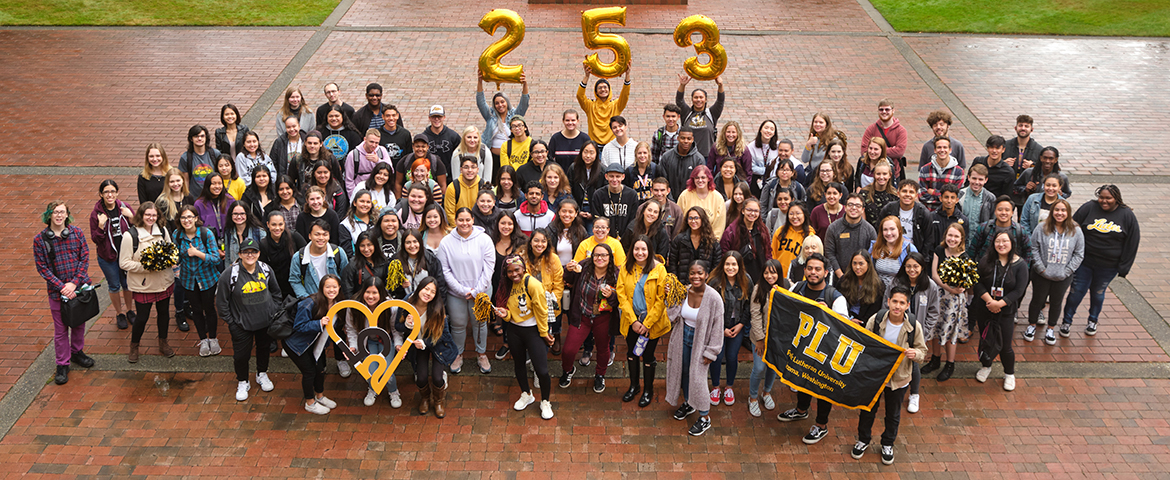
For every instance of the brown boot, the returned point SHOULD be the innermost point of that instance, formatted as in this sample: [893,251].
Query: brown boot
[133,357]
[164,348]
[424,394]
[438,396]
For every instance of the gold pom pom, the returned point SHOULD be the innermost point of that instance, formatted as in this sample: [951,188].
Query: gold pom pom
[394,276]
[482,308]
[675,291]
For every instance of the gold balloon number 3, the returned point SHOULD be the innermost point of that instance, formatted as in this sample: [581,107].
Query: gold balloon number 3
[489,60]
[591,21]
[709,45]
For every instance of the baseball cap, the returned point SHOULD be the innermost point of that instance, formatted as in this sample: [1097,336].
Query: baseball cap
[250,244]
[418,137]
[437,110]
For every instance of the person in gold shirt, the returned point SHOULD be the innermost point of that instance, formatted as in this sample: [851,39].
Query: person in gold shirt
[600,110]
[525,316]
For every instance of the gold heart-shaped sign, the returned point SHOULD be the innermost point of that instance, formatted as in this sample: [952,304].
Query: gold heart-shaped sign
[362,360]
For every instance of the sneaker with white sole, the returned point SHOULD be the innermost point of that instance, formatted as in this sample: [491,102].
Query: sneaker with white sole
[502,353]
[598,384]
[1065,330]
[1030,333]
[586,358]
[395,399]
[1050,337]
[214,345]
[702,424]
[981,375]
[344,369]
[791,415]
[242,390]
[716,396]
[769,402]
[913,406]
[265,384]
[317,408]
[815,434]
[546,410]
[729,396]
[859,449]
[204,348]
[330,404]
[1009,382]
[567,378]
[525,400]
[457,365]
[683,411]
[612,355]
[754,407]
[1091,329]
[888,454]
[370,397]
[1041,318]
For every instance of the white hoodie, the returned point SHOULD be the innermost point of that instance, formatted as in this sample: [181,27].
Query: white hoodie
[468,263]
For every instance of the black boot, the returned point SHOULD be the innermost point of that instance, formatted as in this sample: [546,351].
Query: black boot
[62,375]
[181,320]
[947,371]
[635,372]
[932,366]
[648,391]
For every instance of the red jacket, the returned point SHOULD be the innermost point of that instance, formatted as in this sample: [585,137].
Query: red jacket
[896,134]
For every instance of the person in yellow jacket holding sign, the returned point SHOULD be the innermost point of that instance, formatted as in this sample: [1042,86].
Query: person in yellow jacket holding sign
[604,107]
[525,316]
[641,288]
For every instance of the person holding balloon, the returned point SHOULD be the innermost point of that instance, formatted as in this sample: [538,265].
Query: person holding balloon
[599,110]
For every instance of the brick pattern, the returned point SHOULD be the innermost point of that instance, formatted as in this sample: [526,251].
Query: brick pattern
[122,424]
[1086,96]
[136,86]
[607,2]
[795,15]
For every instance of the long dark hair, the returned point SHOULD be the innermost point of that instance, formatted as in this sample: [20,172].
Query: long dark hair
[587,176]
[285,237]
[403,256]
[574,231]
[435,321]
[760,136]
[375,259]
[706,232]
[212,199]
[987,264]
[611,272]
[719,280]
[320,303]
[346,122]
[867,288]
[253,191]
[803,228]
[359,294]
[547,254]
[763,290]
[505,288]
[518,239]
[250,222]
[330,188]
[515,190]
[923,281]
[639,226]
[651,262]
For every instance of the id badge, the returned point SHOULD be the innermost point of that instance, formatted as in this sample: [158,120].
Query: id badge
[997,292]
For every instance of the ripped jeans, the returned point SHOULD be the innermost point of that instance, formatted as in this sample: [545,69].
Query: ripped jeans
[1089,280]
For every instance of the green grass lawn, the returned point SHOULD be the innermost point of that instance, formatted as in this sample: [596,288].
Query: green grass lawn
[1059,17]
[165,12]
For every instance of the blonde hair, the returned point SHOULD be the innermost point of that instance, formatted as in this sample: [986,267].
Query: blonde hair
[165,165]
[165,204]
[721,143]
[565,185]
[462,149]
[811,240]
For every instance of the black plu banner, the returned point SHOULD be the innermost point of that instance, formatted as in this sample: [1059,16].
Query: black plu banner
[816,351]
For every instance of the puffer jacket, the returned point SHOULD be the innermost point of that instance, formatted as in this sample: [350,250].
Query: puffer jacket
[683,252]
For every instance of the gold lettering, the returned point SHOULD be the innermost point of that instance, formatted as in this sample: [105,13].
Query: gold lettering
[811,349]
[845,344]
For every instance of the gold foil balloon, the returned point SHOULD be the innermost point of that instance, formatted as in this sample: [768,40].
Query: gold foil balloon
[489,61]
[709,45]
[591,20]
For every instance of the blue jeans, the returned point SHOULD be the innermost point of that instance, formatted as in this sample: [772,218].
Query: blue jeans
[1088,280]
[760,371]
[377,347]
[115,276]
[688,344]
[730,356]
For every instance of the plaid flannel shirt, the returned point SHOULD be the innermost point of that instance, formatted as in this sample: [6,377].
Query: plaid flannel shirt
[197,274]
[930,177]
[71,258]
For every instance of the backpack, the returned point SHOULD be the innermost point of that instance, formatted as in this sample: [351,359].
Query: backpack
[548,298]
[828,295]
[377,153]
[481,186]
[133,231]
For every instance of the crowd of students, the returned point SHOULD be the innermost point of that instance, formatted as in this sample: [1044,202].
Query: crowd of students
[587,229]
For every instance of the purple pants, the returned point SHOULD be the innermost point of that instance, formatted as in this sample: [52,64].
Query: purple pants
[66,340]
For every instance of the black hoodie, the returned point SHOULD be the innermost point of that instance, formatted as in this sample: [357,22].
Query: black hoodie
[1111,238]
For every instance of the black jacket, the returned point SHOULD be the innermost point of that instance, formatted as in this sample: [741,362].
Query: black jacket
[683,252]
[277,256]
[921,222]
[221,140]
[279,153]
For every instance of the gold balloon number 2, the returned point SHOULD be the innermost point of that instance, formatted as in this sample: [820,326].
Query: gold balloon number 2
[591,21]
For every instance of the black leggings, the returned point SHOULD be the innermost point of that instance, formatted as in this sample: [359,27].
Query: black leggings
[312,371]
[1051,291]
[201,307]
[142,313]
[647,354]
[1007,326]
[242,350]
[427,368]
[804,400]
[525,342]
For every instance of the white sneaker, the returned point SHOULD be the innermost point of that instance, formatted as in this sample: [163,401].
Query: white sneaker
[265,384]
[1009,382]
[535,381]
[242,390]
[317,407]
[913,407]
[395,399]
[204,348]
[525,400]
[284,353]
[769,402]
[370,397]
[214,346]
[330,404]
[344,369]
[546,409]
[981,375]
[754,407]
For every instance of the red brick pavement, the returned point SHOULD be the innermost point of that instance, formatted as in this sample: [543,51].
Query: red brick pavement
[97,97]
[786,78]
[120,424]
[796,15]
[1086,96]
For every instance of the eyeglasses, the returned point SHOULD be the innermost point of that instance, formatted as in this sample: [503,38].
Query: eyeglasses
[886,109]
[187,217]
[751,211]
[109,192]
[239,214]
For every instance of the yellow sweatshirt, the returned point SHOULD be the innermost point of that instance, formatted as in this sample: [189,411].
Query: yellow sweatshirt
[599,112]
[528,305]
[788,248]
[585,249]
[468,192]
[713,205]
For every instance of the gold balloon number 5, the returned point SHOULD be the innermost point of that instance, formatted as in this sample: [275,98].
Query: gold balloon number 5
[708,45]
[489,60]
[591,21]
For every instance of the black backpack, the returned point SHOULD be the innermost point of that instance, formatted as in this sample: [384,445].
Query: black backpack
[133,232]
